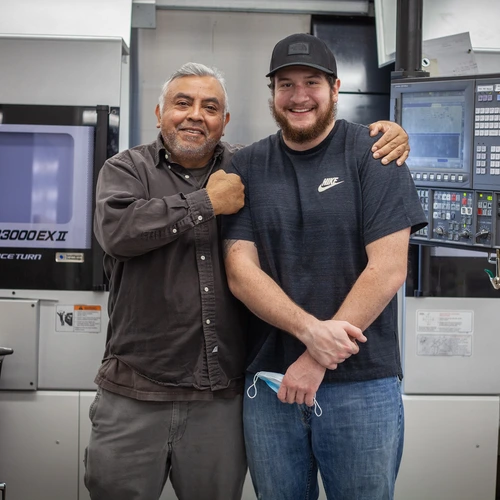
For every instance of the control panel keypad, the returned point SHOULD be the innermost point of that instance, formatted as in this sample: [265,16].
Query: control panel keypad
[423,195]
[452,216]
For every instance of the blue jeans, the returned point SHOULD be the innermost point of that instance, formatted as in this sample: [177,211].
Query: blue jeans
[356,444]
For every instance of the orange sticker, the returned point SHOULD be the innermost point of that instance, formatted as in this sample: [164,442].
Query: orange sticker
[87,308]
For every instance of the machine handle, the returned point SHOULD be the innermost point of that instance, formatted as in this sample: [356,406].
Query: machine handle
[4,351]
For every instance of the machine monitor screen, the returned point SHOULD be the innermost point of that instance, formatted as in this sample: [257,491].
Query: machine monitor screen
[46,174]
[435,123]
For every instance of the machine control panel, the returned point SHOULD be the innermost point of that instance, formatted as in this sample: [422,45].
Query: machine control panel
[453,124]
[460,217]
[452,213]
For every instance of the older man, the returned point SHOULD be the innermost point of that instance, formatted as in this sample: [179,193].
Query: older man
[169,402]
[318,253]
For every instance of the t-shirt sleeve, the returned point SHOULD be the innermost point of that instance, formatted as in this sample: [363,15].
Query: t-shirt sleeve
[390,198]
[239,226]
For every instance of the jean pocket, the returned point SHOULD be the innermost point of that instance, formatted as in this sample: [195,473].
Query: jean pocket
[93,406]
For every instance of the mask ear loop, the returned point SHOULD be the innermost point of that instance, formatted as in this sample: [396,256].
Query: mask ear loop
[317,408]
[254,385]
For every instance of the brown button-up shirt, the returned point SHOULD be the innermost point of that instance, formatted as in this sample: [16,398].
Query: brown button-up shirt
[175,330]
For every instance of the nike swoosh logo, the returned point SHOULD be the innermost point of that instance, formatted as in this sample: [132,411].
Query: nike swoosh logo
[324,188]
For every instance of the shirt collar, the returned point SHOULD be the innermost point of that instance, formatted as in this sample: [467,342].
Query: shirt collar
[161,153]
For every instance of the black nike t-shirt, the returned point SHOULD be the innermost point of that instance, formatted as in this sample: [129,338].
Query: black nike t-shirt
[311,214]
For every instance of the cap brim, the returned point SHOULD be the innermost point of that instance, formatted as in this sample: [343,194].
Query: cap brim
[310,65]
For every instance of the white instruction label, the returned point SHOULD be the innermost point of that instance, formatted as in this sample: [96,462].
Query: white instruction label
[444,345]
[444,333]
[78,318]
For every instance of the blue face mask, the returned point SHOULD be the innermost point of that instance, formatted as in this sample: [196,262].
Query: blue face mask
[273,380]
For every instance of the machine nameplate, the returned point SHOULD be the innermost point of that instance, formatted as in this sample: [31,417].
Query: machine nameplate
[70,257]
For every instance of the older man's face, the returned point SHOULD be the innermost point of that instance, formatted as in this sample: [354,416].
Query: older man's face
[193,119]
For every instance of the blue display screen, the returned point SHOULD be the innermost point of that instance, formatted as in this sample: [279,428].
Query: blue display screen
[435,123]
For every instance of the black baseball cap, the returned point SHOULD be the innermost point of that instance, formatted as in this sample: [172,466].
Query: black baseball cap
[302,49]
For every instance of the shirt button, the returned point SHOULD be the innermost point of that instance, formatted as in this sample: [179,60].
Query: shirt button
[174,230]
[207,321]
[206,289]
[202,257]
[200,217]
[186,176]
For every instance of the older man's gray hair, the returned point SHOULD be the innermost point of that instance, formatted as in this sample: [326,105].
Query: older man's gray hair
[195,69]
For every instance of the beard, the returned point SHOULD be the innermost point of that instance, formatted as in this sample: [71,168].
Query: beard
[304,135]
[180,150]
